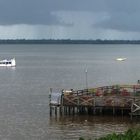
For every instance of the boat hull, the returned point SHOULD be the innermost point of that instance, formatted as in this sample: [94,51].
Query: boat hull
[8,63]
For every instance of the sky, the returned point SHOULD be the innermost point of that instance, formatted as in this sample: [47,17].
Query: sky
[70,19]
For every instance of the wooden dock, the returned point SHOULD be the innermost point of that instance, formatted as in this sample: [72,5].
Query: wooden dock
[113,100]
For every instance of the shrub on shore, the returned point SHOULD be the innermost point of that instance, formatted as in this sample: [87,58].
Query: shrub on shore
[130,134]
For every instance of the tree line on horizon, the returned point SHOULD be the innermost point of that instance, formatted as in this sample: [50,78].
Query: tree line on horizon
[66,41]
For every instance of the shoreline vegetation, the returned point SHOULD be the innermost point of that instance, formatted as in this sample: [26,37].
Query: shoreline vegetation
[66,41]
[130,134]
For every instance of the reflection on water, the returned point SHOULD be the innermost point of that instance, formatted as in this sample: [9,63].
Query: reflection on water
[72,127]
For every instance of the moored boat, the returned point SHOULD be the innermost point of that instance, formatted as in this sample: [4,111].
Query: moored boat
[120,59]
[8,63]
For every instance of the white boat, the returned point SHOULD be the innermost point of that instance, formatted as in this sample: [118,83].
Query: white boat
[120,59]
[8,63]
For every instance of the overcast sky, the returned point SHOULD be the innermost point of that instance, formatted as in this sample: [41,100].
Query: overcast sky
[70,19]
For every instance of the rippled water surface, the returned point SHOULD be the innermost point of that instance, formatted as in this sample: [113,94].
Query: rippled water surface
[24,90]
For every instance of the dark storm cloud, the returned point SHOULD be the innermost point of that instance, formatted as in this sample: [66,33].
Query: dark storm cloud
[123,14]
[122,21]
[26,12]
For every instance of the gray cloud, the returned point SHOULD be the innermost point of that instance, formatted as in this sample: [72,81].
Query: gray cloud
[40,11]
[25,12]
[121,21]
[118,15]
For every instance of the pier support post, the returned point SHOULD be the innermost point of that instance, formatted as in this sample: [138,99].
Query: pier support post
[101,110]
[50,110]
[69,110]
[50,101]
[113,110]
[56,111]
[73,110]
[60,111]
[61,105]
[122,111]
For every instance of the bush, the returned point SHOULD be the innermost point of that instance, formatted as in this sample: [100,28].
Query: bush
[130,134]
[81,138]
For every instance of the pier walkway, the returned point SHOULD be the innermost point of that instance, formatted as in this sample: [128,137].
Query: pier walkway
[115,99]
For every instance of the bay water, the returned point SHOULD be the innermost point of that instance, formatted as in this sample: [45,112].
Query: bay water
[24,90]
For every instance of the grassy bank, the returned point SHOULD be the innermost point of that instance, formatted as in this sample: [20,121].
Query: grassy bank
[131,134]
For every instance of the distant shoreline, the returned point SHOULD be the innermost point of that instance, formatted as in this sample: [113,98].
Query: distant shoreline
[66,41]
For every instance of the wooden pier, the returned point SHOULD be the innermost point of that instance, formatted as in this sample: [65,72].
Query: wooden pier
[113,100]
